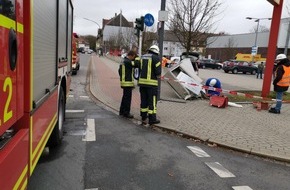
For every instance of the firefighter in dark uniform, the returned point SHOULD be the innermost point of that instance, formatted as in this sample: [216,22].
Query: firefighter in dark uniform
[127,83]
[150,71]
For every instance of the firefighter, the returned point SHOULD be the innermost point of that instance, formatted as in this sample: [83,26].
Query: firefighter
[150,71]
[127,83]
[281,82]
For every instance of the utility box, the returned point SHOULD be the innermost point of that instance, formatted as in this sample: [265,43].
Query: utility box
[184,80]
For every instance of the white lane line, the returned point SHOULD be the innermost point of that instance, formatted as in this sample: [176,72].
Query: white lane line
[90,132]
[84,97]
[219,169]
[93,189]
[75,111]
[198,151]
[70,96]
[242,188]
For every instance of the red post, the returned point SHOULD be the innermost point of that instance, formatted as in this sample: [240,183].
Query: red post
[271,54]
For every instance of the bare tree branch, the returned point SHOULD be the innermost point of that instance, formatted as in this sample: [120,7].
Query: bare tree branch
[192,21]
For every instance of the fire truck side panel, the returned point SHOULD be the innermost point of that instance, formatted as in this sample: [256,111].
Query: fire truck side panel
[16,150]
[69,38]
[11,72]
[29,89]
[44,48]
[43,122]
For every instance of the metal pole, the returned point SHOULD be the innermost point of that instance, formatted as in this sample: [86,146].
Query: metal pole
[258,21]
[287,40]
[140,44]
[273,38]
[161,38]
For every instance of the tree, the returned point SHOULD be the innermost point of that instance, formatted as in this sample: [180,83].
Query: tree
[261,28]
[192,20]
[92,41]
[230,51]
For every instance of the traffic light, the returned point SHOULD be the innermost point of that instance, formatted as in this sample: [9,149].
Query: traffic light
[139,23]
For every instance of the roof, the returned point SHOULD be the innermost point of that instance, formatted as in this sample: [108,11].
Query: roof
[117,21]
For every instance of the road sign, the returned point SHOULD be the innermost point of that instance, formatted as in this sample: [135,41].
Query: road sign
[254,50]
[148,20]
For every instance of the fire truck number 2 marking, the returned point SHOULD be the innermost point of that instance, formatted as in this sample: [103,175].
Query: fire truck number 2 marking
[7,86]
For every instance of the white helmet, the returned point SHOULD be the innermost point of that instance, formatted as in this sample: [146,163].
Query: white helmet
[154,49]
[281,56]
[212,82]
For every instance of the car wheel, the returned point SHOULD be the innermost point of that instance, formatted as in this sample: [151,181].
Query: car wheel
[235,71]
[254,72]
[203,66]
[219,67]
[226,71]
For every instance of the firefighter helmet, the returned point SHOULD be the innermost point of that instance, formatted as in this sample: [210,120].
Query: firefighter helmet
[281,56]
[154,49]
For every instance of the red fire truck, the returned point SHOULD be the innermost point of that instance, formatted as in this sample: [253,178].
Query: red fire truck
[75,55]
[35,74]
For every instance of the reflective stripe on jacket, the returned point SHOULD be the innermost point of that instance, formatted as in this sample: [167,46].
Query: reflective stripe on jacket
[285,81]
[150,68]
[126,73]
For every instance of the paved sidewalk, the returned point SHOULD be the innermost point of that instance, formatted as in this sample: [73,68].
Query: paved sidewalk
[244,129]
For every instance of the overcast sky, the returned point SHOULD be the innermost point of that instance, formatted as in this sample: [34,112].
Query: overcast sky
[231,20]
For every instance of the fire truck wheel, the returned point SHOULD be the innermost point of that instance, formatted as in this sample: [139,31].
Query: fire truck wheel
[57,133]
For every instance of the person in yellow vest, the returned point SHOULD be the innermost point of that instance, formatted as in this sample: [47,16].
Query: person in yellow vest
[127,83]
[281,82]
[150,71]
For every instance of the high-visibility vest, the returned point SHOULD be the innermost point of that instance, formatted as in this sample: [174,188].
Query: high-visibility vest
[285,81]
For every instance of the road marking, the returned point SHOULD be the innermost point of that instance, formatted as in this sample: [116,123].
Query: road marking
[242,188]
[70,96]
[219,169]
[90,132]
[84,97]
[93,189]
[75,111]
[198,151]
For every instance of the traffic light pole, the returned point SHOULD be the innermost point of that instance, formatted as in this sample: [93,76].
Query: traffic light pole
[161,36]
[140,44]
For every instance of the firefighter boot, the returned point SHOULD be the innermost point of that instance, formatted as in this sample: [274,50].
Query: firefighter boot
[144,117]
[153,120]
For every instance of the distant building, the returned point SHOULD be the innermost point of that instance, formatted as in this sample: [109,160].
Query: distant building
[225,47]
[118,32]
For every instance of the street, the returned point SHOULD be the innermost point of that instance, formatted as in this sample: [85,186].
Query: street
[103,151]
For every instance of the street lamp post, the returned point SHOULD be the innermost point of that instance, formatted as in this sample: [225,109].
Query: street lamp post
[92,21]
[98,30]
[256,38]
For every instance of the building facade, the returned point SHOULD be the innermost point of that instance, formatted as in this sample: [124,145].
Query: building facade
[225,47]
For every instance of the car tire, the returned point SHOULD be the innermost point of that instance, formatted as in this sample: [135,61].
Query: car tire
[203,66]
[219,67]
[226,71]
[254,72]
[235,71]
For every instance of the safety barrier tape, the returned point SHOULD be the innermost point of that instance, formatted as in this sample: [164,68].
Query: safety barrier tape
[232,92]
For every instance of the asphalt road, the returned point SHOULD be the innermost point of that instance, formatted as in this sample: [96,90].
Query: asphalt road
[103,151]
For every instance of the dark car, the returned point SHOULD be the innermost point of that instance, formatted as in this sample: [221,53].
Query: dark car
[244,67]
[209,63]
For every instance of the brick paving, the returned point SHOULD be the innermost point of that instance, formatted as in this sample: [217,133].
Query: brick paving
[244,129]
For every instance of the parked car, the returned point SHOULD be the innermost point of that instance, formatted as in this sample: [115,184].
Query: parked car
[209,63]
[244,67]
